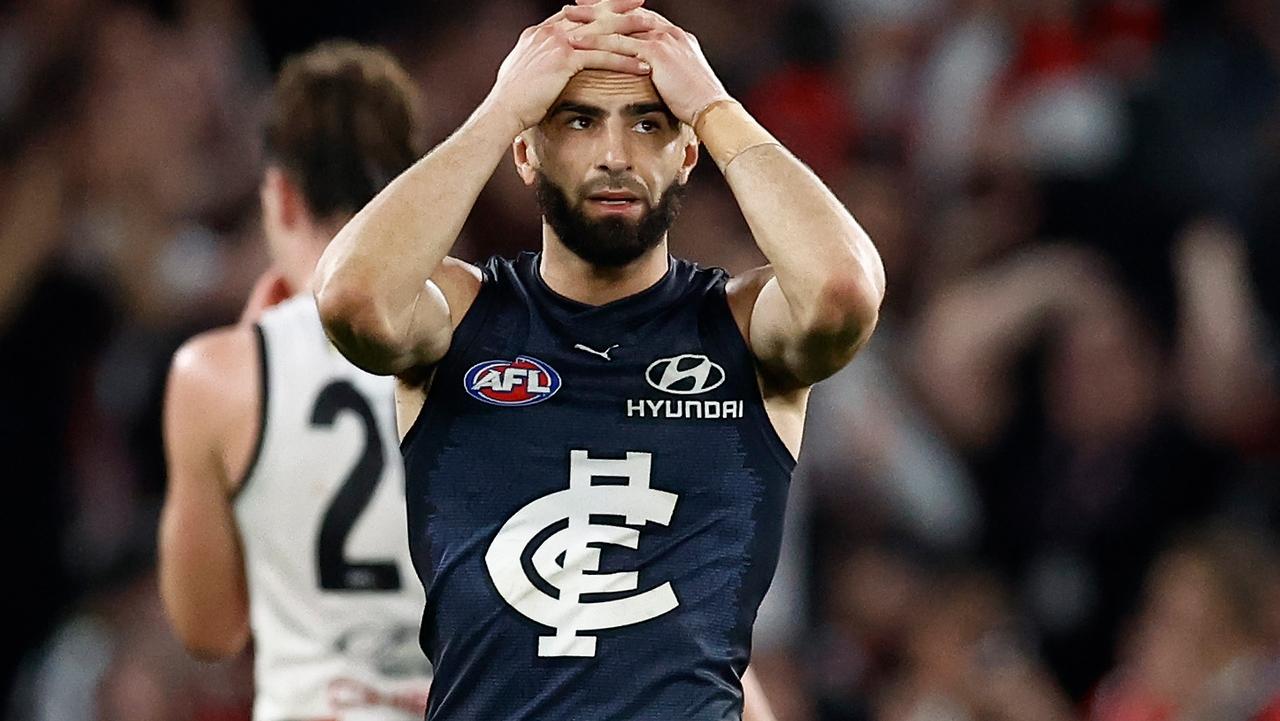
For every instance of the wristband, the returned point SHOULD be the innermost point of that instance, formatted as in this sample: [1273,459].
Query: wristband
[728,130]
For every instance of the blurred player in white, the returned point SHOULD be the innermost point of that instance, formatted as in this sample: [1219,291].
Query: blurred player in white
[285,514]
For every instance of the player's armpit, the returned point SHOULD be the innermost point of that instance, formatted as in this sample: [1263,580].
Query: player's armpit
[384,346]
[802,352]
[796,352]
[210,423]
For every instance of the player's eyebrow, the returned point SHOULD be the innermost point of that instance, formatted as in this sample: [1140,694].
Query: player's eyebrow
[633,110]
[566,106]
[638,109]
[646,108]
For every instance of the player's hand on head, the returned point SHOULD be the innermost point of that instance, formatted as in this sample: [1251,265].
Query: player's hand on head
[543,60]
[601,19]
[680,71]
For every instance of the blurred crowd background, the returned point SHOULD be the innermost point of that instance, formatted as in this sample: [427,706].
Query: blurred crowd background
[1048,489]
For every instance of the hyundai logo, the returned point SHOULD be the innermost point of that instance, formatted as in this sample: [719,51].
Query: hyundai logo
[685,375]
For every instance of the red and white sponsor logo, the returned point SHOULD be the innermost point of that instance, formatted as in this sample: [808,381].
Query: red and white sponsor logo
[347,694]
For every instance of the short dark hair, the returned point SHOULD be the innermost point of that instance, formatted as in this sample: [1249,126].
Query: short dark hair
[344,122]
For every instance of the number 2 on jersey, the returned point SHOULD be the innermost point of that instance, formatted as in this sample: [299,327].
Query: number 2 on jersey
[336,573]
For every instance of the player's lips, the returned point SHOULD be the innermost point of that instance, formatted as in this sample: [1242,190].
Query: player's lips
[615,200]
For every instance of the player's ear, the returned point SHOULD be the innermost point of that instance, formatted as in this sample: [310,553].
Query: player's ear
[525,153]
[690,161]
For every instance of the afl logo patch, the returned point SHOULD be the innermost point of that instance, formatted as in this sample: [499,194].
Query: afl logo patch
[685,375]
[523,382]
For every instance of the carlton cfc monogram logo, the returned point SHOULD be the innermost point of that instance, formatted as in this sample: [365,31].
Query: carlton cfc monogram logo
[566,562]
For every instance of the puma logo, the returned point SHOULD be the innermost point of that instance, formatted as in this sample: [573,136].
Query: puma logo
[603,354]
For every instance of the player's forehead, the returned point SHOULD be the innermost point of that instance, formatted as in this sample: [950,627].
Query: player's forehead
[610,91]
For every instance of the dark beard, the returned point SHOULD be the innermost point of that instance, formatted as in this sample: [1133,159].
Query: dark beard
[609,242]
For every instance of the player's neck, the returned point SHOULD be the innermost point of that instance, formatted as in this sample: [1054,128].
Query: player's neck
[306,252]
[574,278]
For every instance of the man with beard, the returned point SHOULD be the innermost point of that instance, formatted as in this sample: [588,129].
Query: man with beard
[599,438]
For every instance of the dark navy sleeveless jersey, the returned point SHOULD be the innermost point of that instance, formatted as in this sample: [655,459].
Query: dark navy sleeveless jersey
[595,504]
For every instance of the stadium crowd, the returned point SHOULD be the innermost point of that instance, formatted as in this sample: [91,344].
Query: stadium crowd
[1049,488]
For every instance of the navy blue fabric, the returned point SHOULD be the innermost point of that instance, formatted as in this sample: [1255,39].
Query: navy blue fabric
[472,465]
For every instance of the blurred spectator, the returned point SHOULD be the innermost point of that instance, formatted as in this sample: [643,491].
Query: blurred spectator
[1205,644]
[116,660]
[1226,346]
[959,82]
[967,658]
[120,149]
[871,449]
[43,375]
[873,593]
[802,102]
[1085,468]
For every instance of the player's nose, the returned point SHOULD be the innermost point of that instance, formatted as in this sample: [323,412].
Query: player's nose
[615,156]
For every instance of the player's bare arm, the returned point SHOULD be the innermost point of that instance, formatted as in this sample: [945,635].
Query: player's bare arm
[755,705]
[210,430]
[818,302]
[389,294]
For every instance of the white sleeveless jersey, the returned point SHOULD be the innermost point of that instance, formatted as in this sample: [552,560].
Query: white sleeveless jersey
[335,605]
